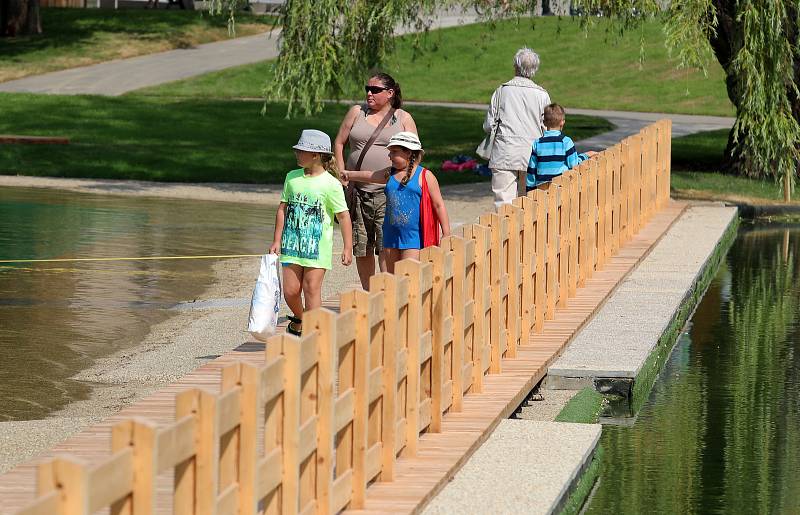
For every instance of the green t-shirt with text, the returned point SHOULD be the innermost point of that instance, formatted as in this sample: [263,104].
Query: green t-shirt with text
[311,203]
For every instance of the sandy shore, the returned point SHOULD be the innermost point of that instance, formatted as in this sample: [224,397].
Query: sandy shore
[199,331]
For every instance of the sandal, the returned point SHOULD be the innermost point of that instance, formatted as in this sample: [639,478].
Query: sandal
[294,323]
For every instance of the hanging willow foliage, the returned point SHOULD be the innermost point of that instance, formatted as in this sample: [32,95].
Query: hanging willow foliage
[329,45]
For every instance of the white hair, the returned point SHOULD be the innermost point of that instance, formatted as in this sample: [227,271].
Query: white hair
[526,62]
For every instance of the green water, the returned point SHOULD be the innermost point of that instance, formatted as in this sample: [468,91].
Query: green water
[721,430]
[57,318]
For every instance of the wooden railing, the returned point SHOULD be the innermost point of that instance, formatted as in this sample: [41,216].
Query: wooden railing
[331,412]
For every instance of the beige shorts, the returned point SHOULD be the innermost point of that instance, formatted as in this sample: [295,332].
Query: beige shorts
[367,211]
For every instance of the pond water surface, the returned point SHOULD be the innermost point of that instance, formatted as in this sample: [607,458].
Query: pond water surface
[57,318]
[721,430]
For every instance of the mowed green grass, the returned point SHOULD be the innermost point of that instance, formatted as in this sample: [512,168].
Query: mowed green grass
[696,160]
[79,37]
[595,69]
[197,140]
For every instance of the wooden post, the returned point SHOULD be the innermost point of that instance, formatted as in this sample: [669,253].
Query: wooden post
[667,156]
[528,259]
[602,168]
[462,305]
[230,436]
[69,478]
[196,489]
[572,237]
[608,208]
[645,174]
[442,323]
[413,271]
[139,436]
[359,301]
[272,377]
[323,323]
[583,218]
[308,427]
[481,296]
[636,182]
[513,269]
[290,431]
[388,285]
[562,249]
[247,379]
[593,213]
[551,271]
[539,207]
[615,199]
[498,286]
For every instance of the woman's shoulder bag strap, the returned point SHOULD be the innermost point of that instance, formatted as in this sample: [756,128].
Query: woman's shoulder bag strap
[374,136]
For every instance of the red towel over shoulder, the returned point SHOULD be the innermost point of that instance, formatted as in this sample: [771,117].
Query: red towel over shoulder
[428,218]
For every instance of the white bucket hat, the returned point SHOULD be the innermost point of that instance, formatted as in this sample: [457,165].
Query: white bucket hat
[405,139]
[312,140]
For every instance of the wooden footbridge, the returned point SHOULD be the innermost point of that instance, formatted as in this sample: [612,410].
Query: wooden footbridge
[389,391]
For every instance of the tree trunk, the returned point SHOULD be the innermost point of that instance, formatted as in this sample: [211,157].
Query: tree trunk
[21,18]
[722,42]
[725,44]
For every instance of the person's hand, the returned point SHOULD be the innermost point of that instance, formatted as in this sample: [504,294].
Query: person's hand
[347,257]
[345,176]
[275,248]
[591,153]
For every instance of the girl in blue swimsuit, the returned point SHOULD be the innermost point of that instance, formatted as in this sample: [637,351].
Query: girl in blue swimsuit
[402,233]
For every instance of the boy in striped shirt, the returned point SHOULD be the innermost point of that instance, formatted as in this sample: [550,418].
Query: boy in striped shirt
[553,153]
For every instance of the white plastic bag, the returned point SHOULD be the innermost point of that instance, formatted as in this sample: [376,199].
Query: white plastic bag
[266,302]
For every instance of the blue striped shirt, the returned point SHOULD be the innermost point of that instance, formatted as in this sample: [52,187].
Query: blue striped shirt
[552,154]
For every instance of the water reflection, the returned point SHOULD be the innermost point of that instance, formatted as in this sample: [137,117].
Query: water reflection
[721,430]
[56,318]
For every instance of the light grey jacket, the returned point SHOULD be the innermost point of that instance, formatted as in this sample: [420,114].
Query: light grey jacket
[518,108]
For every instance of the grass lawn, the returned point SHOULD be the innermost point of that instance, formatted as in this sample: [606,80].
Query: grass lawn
[695,159]
[197,140]
[465,64]
[79,37]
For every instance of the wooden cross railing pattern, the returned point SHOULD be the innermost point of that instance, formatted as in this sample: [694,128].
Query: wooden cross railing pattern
[329,413]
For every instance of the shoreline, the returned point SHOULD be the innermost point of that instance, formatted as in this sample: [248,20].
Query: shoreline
[216,192]
[172,348]
[198,331]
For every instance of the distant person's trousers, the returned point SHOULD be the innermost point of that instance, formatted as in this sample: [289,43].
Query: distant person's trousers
[507,185]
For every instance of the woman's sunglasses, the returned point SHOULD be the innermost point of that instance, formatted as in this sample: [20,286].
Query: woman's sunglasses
[374,89]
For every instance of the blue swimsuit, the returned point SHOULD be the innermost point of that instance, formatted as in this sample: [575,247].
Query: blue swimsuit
[401,225]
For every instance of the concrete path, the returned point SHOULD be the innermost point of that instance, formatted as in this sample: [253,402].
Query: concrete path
[621,336]
[524,467]
[118,77]
[627,122]
[114,78]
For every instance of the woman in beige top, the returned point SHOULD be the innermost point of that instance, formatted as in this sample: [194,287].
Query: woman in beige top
[368,203]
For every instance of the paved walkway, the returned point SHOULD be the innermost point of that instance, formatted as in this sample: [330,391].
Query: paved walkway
[118,77]
[618,342]
[526,466]
[627,122]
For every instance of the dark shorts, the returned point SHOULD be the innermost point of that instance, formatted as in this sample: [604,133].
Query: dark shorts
[367,211]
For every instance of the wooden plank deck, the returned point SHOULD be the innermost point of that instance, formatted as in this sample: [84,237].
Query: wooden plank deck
[440,455]
[418,479]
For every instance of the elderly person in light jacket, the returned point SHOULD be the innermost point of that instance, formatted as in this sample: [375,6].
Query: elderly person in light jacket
[516,114]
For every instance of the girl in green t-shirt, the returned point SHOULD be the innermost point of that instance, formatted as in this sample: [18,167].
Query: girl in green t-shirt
[312,196]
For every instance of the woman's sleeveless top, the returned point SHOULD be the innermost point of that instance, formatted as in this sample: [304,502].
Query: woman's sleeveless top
[377,157]
[401,225]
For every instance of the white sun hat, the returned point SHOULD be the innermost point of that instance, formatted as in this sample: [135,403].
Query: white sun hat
[405,139]
[312,140]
